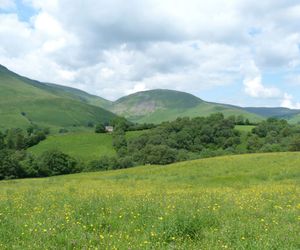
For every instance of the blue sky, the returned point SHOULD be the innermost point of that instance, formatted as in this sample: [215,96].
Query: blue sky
[240,52]
[24,11]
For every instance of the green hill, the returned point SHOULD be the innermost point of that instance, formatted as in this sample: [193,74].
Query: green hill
[295,119]
[232,202]
[24,101]
[275,112]
[164,105]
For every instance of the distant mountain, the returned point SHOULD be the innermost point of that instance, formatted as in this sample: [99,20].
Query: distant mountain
[164,105]
[274,112]
[24,101]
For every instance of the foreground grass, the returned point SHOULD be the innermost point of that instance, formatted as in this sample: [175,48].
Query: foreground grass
[81,145]
[232,202]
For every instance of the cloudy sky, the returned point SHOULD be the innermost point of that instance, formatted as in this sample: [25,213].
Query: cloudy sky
[241,52]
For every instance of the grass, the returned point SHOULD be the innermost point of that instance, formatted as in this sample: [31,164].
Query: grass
[81,145]
[245,128]
[232,202]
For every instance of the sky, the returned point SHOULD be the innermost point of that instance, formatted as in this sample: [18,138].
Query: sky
[241,52]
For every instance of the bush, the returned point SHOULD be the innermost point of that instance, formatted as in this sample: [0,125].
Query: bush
[295,144]
[157,154]
[100,128]
[54,162]
[109,163]
[271,148]
[10,167]
[254,143]
[104,163]
[63,131]
[125,162]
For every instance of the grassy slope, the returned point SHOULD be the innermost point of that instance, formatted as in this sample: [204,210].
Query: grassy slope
[42,105]
[274,112]
[83,145]
[233,202]
[295,119]
[79,95]
[203,109]
[164,105]
[245,128]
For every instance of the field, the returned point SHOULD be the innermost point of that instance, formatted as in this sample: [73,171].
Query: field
[232,202]
[245,128]
[81,145]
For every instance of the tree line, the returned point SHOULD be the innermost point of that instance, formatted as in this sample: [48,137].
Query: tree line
[193,138]
[168,142]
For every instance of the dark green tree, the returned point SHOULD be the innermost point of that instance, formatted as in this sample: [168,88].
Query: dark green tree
[295,144]
[54,162]
[2,142]
[100,128]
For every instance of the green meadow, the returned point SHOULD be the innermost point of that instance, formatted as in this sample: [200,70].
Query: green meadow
[245,128]
[231,202]
[81,145]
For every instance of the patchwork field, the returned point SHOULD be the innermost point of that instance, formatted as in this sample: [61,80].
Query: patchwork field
[232,202]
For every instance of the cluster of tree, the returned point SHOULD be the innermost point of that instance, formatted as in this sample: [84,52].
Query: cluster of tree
[201,137]
[17,139]
[241,120]
[274,135]
[120,123]
[109,163]
[16,163]
[19,164]
[175,141]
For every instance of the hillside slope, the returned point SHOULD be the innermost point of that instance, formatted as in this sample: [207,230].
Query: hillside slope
[165,105]
[219,203]
[84,146]
[24,101]
[284,113]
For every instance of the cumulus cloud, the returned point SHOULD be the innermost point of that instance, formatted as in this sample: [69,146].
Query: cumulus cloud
[7,4]
[116,47]
[255,88]
[288,102]
[253,83]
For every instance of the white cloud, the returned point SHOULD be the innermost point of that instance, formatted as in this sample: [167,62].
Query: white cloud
[137,88]
[47,25]
[253,83]
[115,47]
[7,4]
[255,88]
[15,36]
[288,102]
